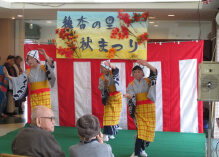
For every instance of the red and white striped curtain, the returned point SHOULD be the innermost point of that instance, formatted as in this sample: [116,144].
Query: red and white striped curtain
[76,91]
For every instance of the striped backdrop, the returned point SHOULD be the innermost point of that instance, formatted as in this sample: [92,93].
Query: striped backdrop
[177,109]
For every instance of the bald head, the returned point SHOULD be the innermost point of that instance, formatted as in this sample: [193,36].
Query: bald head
[39,111]
[43,117]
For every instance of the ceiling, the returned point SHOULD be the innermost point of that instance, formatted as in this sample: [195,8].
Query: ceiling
[185,11]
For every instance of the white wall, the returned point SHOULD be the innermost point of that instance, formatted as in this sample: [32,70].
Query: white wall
[47,32]
[179,30]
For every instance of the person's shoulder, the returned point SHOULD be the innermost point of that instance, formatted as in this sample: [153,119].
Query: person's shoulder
[6,65]
[131,83]
[102,145]
[106,146]
[102,77]
[38,132]
[75,147]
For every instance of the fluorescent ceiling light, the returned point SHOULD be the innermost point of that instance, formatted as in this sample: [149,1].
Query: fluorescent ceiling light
[171,15]
[20,15]
[151,22]
[151,17]
[91,1]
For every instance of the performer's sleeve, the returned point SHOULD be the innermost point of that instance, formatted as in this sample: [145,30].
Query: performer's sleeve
[104,93]
[116,79]
[50,72]
[153,77]
[19,86]
[131,102]
[152,89]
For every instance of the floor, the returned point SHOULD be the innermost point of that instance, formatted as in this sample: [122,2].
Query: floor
[12,123]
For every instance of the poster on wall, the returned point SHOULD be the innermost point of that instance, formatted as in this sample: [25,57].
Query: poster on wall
[102,35]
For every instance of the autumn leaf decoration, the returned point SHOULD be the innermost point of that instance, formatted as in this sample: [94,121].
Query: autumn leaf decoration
[126,22]
[70,38]
[111,53]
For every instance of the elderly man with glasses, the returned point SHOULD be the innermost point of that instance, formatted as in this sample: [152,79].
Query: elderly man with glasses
[37,139]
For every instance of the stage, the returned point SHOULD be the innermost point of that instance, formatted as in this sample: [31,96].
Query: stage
[166,144]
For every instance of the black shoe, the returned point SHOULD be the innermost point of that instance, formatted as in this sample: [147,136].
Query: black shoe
[14,113]
[11,114]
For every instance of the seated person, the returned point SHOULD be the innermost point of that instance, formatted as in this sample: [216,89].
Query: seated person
[91,143]
[37,139]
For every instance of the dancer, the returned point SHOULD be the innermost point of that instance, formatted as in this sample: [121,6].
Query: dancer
[38,76]
[141,108]
[109,85]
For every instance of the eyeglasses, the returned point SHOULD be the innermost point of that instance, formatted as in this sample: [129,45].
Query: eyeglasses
[51,118]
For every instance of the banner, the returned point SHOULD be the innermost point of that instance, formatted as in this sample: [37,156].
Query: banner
[177,108]
[101,35]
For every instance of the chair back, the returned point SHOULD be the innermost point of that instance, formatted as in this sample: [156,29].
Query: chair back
[11,155]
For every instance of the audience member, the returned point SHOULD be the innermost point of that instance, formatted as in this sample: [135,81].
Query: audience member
[3,90]
[37,139]
[10,107]
[91,143]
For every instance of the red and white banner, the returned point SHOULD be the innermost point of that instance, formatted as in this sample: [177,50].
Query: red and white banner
[76,92]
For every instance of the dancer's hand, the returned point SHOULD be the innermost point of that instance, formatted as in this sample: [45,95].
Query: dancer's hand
[106,83]
[42,51]
[127,96]
[100,137]
[145,63]
[142,62]
[6,73]
[110,65]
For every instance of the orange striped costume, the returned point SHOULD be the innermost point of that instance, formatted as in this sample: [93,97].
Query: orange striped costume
[145,115]
[40,92]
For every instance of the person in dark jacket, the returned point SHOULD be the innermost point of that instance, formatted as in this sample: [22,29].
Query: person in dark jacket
[10,106]
[37,139]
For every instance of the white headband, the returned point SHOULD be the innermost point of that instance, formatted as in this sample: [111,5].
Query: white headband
[136,64]
[104,65]
[34,54]
[141,66]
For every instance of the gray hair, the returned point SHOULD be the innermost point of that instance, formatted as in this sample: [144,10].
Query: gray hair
[88,126]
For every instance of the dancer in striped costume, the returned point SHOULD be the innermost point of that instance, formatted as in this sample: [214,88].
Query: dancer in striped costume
[109,85]
[141,108]
[38,77]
